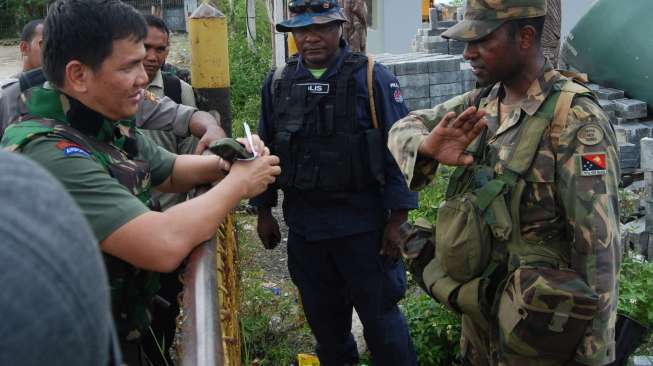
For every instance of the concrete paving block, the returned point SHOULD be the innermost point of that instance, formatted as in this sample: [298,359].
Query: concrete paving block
[630,108]
[632,132]
[593,87]
[411,67]
[629,163]
[433,17]
[419,103]
[435,47]
[636,236]
[446,89]
[445,77]
[447,23]
[646,154]
[607,105]
[416,80]
[456,47]
[414,92]
[468,75]
[451,63]
[609,93]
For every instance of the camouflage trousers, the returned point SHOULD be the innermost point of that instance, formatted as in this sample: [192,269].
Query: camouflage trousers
[480,348]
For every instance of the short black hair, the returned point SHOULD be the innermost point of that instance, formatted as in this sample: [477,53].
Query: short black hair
[156,22]
[29,29]
[84,30]
[515,25]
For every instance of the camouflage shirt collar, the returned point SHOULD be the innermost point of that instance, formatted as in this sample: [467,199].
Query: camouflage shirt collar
[537,91]
[50,103]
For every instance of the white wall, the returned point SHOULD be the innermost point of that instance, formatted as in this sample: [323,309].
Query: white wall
[396,25]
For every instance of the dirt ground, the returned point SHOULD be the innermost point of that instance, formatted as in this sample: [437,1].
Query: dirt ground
[10,62]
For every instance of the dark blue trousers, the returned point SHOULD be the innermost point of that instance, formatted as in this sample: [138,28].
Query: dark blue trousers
[336,275]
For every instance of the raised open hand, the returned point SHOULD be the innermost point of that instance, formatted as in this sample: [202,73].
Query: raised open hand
[448,140]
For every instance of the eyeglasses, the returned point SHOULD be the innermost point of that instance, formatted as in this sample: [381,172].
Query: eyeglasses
[315,6]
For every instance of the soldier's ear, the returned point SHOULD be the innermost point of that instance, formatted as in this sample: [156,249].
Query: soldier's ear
[24,48]
[76,77]
[527,37]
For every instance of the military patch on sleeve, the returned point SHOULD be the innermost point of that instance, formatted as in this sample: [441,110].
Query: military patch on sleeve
[71,149]
[590,135]
[593,165]
[396,92]
[148,95]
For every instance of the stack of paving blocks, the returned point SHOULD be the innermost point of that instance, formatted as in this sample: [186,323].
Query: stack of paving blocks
[426,79]
[429,40]
[629,118]
[647,168]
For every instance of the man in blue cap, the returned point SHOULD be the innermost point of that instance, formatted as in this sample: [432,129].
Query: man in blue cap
[344,197]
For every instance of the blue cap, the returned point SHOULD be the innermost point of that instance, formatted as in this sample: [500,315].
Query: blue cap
[305,19]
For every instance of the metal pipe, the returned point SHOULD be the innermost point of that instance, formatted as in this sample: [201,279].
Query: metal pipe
[201,340]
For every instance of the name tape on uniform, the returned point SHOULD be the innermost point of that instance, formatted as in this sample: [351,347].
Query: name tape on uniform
[317,88]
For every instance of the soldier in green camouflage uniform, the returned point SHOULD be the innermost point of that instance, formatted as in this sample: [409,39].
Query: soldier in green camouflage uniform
[80,128]
[570,193]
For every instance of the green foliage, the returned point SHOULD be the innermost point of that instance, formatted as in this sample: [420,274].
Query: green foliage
[248,66]
[431,196]
[273,328]
[457,3]
[435,330]
[635,284]
[14,14]
[629,204]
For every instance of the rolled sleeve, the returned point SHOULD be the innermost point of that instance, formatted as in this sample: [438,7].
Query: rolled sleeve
[165,115]
[160,160]
[106,204]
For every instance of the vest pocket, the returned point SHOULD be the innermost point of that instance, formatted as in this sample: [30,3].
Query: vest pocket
[463,238]
[543,312]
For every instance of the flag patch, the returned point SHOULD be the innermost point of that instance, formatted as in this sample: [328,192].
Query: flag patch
[592,164]
[72,149]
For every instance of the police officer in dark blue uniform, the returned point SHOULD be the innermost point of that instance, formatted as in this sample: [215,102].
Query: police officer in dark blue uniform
[344,196]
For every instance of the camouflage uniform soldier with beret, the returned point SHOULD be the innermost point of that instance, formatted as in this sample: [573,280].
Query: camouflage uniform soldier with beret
[526,243]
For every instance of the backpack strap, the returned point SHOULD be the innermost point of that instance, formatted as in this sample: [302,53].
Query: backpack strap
[279,73]
[370,90]
[172,87]
[567,94]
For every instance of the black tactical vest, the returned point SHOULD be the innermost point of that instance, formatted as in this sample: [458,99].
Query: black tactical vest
[322,146]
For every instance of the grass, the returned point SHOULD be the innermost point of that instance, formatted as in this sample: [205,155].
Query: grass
[273,327]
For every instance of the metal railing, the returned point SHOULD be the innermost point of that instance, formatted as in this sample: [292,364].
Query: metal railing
[208,326]
[201,331]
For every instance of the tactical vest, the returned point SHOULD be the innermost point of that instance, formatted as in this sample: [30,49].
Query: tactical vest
[171,87]
[321,144]
[484,268]
[132,289]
